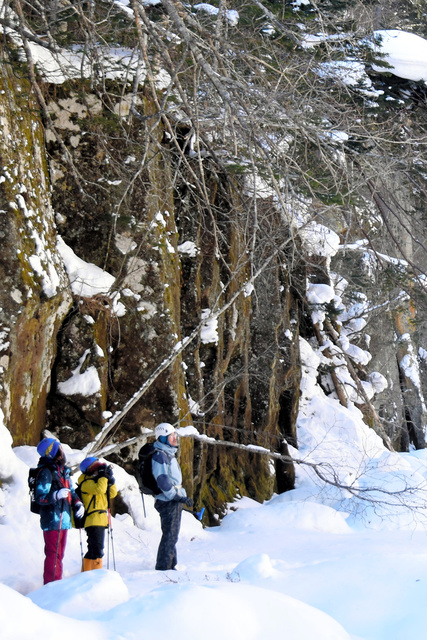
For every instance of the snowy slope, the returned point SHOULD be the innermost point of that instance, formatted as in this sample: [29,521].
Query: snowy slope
[318,561]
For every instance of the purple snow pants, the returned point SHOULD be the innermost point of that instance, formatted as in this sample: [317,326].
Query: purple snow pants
[54,549]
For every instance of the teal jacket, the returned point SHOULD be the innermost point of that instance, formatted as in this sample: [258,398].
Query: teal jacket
[54,514]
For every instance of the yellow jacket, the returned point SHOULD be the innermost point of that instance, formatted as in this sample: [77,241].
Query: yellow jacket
[94,496]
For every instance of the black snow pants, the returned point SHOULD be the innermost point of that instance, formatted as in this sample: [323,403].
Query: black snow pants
[170,518]
[95,542]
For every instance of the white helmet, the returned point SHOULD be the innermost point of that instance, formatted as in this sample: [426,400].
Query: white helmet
[163,429]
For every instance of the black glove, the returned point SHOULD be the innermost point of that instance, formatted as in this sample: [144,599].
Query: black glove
[187,501]
[109,475]
[101,472]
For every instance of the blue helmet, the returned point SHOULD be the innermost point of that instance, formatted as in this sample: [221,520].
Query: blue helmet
[48,448]
[86,463]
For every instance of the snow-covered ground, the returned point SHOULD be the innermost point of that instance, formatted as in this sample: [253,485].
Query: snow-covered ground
[317,562]
[291,565]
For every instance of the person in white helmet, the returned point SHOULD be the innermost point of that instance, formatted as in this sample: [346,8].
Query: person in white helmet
[172,496]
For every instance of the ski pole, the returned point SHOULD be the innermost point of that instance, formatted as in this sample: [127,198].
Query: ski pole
[108,528]
[81,544]
[108,548]
[68,498]
[110,531]
[143,504]
[57,542]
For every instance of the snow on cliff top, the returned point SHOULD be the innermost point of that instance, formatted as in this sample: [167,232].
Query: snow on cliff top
[406,53]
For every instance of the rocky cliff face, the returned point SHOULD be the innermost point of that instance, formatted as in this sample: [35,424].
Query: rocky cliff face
[178,239]
[173,260]
[34,292]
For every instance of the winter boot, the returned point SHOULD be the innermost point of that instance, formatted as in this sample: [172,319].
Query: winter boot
[87,564]
[97,564]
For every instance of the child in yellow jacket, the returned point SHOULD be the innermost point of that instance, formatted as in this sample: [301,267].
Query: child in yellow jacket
[97,488]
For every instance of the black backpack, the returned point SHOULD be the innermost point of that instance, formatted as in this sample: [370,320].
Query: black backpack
[147,482]
[32,480]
